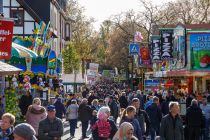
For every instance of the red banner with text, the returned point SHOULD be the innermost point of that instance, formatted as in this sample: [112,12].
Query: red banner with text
[6,33]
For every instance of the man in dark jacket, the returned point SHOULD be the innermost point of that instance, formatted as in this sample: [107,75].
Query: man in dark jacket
[113,108]
[85,114]
[171,124]
[25,102]
[142,117]
[194,120]
[155,116]
[50,128]
[60,109]
[123,101]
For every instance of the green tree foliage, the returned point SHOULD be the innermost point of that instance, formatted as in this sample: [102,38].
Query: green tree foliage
[71,59]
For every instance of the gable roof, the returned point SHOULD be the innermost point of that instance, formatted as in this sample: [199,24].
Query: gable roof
[29,10]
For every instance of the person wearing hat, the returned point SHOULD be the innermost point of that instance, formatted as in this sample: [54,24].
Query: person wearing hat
[24,131]
[50,128]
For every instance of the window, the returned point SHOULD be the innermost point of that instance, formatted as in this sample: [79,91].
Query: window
[19,17]
[1,6]
[67,31]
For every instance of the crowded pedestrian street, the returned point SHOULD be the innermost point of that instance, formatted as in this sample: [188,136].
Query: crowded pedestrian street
[104,70]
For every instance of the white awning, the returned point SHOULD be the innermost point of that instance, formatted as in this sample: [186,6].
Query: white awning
[6,69]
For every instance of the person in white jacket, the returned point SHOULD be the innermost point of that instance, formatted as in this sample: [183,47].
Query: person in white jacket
[72,116]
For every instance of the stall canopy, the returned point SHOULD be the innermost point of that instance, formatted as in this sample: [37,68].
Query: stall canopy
[20,51]
[6,69]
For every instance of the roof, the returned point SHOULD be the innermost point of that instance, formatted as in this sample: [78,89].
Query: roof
[187,26]
[6,69]
[29,10]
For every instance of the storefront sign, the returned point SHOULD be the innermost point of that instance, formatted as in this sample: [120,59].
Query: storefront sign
[148,83]
[166,44]
[155,48]
[200,51]
[6,33]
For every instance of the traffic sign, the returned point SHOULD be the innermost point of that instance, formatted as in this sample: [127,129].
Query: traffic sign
[133,48]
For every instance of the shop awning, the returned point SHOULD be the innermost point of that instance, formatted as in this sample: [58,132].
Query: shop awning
[18,50]
[180,73]
[6,69]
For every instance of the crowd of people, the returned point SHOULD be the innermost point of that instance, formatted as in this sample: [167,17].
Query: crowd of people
[112,112]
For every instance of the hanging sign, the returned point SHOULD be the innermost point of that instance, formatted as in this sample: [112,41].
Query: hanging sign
[145,55]
[6,33]
[166,44]
[155,49]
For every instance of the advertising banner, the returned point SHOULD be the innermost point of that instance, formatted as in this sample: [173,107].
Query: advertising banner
[166,44]
[155,49]
[179,49]
[145,55]
[6,33]
[200,51]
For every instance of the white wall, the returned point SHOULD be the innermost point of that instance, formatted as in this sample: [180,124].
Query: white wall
[18,30]
[6,12]
[29,26]
[6,2]
[27,16]
[14,3]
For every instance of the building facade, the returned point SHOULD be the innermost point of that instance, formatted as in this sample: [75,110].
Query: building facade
[28,14]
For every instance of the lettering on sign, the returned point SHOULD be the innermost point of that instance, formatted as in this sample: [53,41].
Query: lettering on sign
[166,44]
[6,32]
[156,54]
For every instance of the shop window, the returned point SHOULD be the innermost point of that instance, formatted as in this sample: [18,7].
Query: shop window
[19,17]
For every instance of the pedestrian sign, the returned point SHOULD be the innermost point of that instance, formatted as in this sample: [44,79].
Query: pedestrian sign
[133,48]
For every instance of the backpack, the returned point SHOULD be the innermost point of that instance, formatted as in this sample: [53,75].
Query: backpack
[104,128]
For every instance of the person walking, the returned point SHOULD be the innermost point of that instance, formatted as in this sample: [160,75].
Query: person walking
[194,120]
[171,125]
[7,126]
[113,107]
[129,116]
[125,132]
[104,128]
[72,116]
[123,101]
[85,114]
[25,102]
[206,110]
[51,128]
[155,116]
[60,108]
[142,117]
[35,114]
[24,131]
